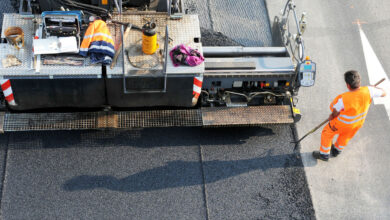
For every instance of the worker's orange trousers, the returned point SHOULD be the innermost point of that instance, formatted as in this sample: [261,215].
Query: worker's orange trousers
[345,133]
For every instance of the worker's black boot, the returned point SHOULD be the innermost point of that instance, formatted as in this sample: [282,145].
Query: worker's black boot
[317,155]
[334,152]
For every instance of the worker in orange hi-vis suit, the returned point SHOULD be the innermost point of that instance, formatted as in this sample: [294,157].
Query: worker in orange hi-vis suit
[349,111]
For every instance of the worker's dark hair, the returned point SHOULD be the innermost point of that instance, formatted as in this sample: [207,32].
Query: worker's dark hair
[352,78]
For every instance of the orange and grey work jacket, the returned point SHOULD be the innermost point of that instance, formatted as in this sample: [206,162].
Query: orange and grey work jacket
[356,105]
[97,41]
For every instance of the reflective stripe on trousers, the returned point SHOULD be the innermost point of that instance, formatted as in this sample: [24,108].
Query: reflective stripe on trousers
[345,135]
[338,147]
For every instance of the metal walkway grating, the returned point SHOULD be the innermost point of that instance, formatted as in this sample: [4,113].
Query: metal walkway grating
[100,120]
[162,118]
[207,117]
[49,121]
[245,116]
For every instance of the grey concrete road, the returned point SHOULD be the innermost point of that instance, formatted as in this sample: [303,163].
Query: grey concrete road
[354,185]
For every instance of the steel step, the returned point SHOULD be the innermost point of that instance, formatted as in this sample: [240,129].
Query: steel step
[247,116]
[207,117]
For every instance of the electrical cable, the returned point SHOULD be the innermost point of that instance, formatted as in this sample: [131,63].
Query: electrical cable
[86,7]
[253,94]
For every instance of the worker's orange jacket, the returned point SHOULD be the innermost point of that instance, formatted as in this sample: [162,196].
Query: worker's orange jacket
[356,105]
[97,39]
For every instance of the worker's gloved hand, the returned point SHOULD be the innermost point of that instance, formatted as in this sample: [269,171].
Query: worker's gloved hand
[333,115]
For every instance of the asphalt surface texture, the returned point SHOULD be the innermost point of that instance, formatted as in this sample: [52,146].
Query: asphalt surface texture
[164,173]
[246,22]
[172,173]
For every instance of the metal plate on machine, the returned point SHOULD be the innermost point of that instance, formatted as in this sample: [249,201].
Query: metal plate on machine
[182,31]
[229,65]
[25,55]
[263,65]
[246,116]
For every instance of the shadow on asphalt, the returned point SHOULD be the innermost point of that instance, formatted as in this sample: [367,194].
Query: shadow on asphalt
[173,174]
[140,138]
[180,174]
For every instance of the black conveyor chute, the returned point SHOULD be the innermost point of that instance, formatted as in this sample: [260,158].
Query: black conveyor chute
[243,51]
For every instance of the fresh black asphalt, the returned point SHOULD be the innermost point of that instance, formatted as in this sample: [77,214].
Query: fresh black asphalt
[164,173]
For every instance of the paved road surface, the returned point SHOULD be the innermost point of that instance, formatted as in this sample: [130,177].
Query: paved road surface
[354,185]
[176,173]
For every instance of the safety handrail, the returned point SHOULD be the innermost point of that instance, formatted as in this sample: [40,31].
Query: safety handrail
[290,6]
[164,71]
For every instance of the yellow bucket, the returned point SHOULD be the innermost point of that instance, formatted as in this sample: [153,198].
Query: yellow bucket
[149,38]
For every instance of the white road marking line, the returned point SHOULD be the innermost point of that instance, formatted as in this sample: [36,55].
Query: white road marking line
[375,71]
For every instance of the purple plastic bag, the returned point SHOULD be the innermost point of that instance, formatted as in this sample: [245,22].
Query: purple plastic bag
[183,55]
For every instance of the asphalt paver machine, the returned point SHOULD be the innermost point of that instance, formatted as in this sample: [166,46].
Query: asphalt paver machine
[234,86]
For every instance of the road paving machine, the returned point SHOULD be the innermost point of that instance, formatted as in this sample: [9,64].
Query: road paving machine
[156,73]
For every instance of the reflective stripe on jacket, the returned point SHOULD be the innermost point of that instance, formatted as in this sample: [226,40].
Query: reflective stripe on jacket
[97,39]
[356,105]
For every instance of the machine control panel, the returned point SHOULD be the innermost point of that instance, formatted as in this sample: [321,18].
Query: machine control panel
[307,73]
